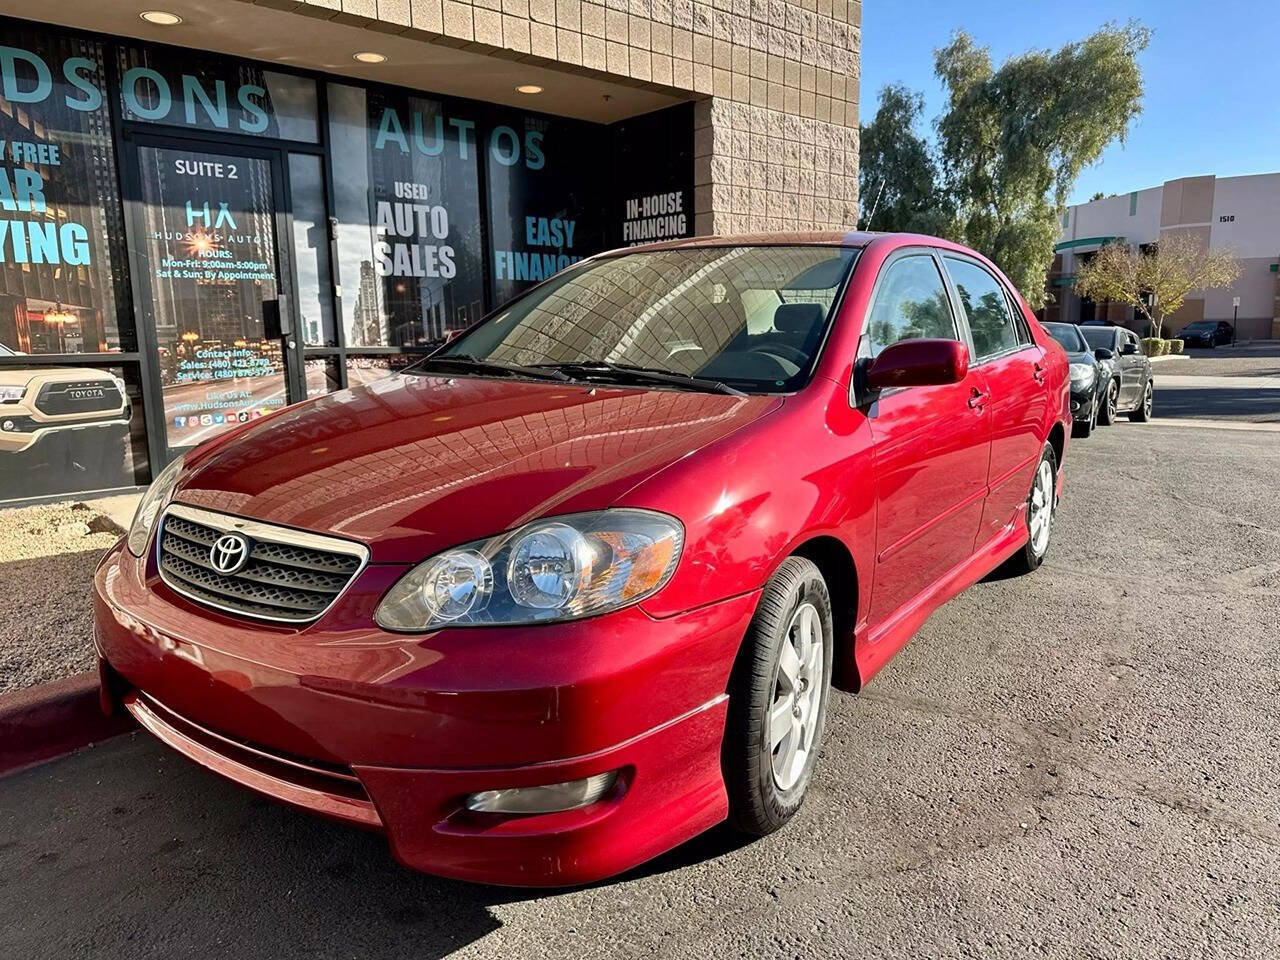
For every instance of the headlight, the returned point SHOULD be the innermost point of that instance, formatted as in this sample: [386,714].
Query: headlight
[1082,374]
[11,392]
[561,569]
[153,501]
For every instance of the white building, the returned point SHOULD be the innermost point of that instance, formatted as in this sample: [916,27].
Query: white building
[1239,213]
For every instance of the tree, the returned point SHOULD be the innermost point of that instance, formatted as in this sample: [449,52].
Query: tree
[1011,144]
[1155,280]
[897,174]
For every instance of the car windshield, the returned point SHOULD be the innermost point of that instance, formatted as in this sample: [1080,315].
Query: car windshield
[1069,336]
[1201,325]
[1099,337]
[747,318]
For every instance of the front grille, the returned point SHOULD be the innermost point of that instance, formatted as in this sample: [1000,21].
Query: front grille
[289,575]
[80,396]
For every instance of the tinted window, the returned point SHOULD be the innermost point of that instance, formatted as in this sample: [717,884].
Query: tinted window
[753,317]
[985,306]
[1099,337]
[910,303]
[1068,336]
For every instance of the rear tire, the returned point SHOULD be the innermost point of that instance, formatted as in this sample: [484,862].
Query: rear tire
[1042,506]
[778,697]
[1143,413]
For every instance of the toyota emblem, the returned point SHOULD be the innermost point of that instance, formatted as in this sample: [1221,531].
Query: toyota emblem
[229,553]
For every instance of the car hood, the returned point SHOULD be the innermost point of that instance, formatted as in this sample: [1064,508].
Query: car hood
[417,464]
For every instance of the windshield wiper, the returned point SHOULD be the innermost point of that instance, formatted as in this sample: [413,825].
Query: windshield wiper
[643,374]
[469,363]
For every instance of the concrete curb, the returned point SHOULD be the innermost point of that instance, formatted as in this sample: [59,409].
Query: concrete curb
[52,719]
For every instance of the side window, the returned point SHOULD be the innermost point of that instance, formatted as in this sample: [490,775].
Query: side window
[911,303]
[1019,319]
[985,307]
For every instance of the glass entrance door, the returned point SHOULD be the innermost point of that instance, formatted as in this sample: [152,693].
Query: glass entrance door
[208,269]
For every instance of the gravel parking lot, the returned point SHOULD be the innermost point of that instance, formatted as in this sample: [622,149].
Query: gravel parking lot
[47,558]
[1077,764]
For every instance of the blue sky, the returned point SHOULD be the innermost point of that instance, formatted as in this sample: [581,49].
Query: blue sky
[1212,75]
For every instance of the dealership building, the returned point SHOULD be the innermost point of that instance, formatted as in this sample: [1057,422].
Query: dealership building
[210,209]
[1240,214]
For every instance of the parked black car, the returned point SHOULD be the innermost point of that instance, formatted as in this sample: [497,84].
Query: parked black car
[1087,376]
[1128,387]
[1206,333]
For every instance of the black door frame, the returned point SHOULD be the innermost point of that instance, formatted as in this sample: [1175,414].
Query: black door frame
[276,154]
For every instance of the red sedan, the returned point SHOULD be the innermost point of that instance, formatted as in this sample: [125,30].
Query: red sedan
[577,587]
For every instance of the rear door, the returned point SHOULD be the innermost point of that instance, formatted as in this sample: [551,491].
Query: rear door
[1005,353]
[931,443]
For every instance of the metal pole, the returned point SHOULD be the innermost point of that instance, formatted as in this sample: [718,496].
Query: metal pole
[1235,318]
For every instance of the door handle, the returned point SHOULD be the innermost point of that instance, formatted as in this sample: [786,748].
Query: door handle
[976,399]
[1038,373]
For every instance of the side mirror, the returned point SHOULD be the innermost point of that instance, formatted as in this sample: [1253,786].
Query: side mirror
[918,363]
[1129,348]
[1102,353]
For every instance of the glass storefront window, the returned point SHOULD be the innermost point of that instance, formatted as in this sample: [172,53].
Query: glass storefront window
[66,428]
[322,376]
[188,89]
[545,202]
[407,201]
[208,245]
[370,369]
[61,262]
[311,250]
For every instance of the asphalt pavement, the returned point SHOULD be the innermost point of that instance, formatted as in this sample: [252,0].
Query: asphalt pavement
[1080,763]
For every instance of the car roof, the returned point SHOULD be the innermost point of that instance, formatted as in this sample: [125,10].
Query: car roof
[796,238]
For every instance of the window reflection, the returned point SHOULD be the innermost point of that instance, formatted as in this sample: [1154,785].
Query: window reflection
[910,304]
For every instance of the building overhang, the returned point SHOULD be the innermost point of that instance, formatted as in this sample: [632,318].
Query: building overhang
[1084,244]
[308,37]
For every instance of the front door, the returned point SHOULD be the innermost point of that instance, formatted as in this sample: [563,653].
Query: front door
[212,285]
[931,445]
[1131,367]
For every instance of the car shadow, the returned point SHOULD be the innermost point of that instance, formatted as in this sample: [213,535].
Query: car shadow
[128,849]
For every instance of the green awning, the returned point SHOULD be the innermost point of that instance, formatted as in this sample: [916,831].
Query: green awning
[1085,242]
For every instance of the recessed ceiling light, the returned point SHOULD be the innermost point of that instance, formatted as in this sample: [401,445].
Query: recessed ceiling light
[161,18]
[528,88]
[369,56]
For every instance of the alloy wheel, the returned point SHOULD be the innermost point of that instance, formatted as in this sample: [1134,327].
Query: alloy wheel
[1040,518]
[1113,397]
[797,696]
[1148,400]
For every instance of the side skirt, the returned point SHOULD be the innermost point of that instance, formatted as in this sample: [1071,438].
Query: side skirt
[874,651]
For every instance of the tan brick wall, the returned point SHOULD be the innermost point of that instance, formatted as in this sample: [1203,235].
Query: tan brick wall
[776,139]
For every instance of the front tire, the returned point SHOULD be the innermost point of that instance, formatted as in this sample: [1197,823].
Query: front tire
[1042,504]
[1143,413]
[1107,415]
[778,699]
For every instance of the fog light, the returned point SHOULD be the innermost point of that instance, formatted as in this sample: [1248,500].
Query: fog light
[546,799]
[8,426]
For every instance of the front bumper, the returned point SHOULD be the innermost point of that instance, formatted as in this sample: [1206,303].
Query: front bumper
[392,732]
[1082,402]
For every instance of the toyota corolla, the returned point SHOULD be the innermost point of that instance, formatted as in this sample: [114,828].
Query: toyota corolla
[579,585]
